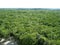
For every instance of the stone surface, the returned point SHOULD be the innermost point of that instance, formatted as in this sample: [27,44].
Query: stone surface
[9,41]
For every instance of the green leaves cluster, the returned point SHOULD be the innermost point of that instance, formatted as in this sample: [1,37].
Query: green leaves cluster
[31,27]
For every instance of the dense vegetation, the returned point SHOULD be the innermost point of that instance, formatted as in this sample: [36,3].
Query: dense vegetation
[31,27]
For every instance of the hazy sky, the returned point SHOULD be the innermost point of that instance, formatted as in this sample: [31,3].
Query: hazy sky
[29,3]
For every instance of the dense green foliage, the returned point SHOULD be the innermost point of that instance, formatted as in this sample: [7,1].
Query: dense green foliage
[31,27]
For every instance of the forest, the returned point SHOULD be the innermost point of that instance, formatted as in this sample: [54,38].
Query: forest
[31,27]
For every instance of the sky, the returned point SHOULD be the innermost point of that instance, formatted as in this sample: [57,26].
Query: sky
[29,3]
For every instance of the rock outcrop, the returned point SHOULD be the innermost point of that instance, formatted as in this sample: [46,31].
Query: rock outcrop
[8,41]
